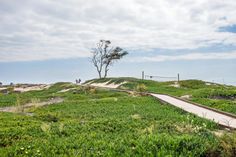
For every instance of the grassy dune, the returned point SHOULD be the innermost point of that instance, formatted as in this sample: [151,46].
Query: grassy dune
[95,122]
[217,96]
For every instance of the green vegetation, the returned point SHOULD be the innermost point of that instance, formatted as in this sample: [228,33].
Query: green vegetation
[141,88]
[217,96]
[99,122]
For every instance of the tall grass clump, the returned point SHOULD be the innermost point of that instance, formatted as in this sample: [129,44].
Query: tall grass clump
[19,105]
[141,87]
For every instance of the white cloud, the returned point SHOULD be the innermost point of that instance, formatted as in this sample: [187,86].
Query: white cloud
[190,56]
[48,29]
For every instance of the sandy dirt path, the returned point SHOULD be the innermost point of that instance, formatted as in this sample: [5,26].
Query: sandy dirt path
[39,104]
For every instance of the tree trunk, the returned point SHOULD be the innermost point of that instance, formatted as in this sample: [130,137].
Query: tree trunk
[99,73]
[105,75]
[106,70]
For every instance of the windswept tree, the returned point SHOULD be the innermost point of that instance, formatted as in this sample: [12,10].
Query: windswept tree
[103,56]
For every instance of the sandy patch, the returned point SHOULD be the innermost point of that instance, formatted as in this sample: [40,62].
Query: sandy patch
[107,85]
[176,85]
[65,90]
[35,104]
[3,88]
[31,88]
[186,97]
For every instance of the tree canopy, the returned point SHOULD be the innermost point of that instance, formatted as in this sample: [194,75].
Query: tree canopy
[103,56]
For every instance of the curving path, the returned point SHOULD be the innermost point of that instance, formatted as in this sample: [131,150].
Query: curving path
[220,118]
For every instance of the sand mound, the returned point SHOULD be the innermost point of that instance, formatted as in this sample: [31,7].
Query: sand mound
[106,84]
[31,88]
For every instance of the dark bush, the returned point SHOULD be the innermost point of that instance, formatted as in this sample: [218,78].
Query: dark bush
[49,118]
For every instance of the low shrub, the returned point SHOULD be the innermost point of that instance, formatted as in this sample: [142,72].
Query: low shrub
[141,88]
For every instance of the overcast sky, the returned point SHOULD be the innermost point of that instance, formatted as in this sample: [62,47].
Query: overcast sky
[157,33]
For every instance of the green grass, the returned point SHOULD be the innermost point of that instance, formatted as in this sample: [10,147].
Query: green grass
[99,122]
[95,122]
[217,96]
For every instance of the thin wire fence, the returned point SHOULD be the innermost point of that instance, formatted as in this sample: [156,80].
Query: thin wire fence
[160,78]
[178,78]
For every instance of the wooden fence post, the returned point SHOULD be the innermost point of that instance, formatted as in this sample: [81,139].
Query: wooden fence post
[142,75]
